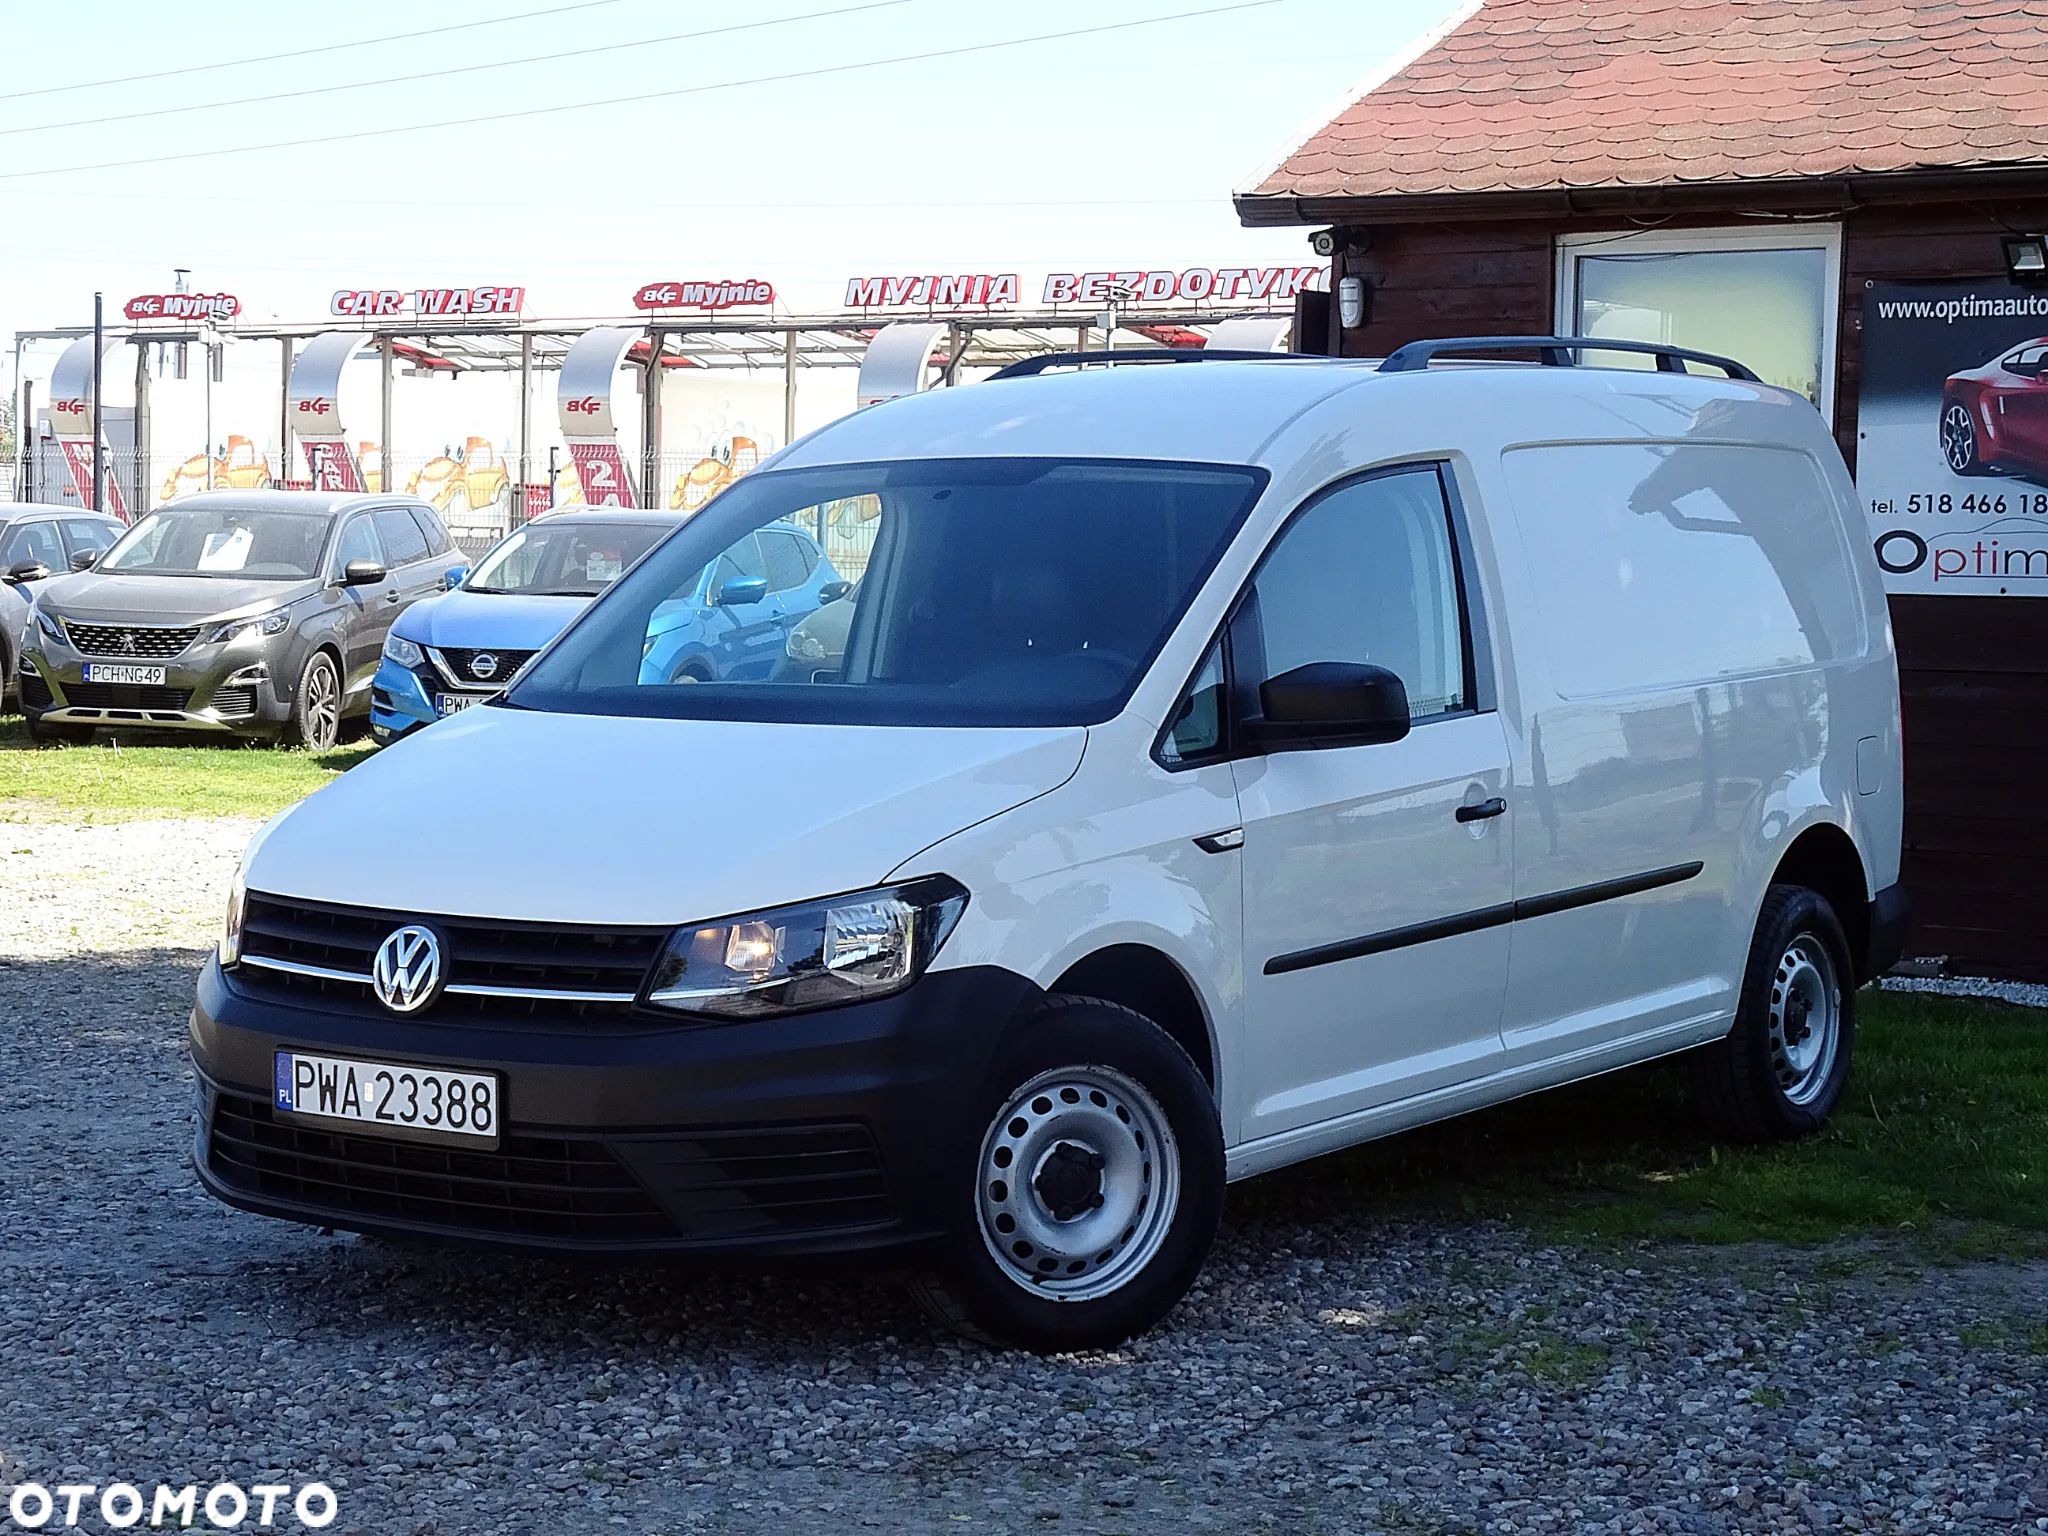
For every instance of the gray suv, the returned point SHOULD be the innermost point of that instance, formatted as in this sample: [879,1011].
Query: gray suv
[253,613]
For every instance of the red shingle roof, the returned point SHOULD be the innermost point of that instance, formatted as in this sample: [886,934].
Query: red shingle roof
[1531,95]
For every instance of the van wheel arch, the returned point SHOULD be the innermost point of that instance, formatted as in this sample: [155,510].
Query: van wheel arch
[1147,981]
[1824,859]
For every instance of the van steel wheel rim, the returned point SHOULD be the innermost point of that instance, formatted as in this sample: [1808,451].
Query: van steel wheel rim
[1806,1019]
[323,715]
[1958,437]
[1079,1181]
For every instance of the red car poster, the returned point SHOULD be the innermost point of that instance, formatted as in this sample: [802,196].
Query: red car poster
[1952,436]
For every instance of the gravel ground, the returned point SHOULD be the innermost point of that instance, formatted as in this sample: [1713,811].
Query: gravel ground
[2026,994]
[1336,1370]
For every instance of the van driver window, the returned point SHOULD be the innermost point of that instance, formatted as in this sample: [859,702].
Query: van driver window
[1366,574]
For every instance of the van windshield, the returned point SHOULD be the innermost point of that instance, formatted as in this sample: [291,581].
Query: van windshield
[974,591]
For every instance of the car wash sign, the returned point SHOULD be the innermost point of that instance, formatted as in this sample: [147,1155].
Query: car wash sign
[718,293]
[1185,285]
[1952,436]
[427,303]
[1175,286]
[182,306]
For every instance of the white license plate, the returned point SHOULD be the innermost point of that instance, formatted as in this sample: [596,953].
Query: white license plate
[111,672]
[455,703]
[400,1099]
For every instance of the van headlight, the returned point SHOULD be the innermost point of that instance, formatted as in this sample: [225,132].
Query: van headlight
[51,625]
[403,652]
[842,949]
[272,623]
[803,647]
[231,930]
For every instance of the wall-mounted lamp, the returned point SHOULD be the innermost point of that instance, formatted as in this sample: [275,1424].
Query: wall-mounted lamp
[2026,257]
[1351,302]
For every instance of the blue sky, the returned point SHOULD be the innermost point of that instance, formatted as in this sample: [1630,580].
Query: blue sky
[1090,152]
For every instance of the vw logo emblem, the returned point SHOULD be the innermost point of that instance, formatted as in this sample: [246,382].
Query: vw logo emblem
[483,666]
[406,974]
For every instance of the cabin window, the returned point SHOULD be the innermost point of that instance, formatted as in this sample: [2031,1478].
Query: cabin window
[1763,296]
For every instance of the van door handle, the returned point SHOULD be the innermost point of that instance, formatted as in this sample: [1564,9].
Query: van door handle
[1484,810]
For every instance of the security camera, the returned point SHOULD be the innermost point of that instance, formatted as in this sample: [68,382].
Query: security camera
[1324,242]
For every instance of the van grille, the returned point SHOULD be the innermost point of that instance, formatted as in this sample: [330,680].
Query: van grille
[714,1185]
[527,958]
[531,1186]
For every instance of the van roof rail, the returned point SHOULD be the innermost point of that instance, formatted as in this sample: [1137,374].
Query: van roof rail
[1559,352]
[1025,367]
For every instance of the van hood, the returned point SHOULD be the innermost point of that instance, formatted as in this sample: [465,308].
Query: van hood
[597,819]
[97,597]
[472,620]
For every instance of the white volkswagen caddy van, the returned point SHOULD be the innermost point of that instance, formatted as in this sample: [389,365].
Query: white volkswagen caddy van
[1227,762]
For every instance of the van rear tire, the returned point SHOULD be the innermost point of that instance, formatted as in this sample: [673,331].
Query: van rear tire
[1781,1070]
[1093,1188]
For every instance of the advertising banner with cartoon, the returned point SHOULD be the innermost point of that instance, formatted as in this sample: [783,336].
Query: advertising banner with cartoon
[1952,436]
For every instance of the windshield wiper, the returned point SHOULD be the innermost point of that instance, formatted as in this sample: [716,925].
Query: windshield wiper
[567,592]
[488,591]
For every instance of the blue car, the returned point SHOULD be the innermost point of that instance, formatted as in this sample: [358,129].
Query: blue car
[458,649]
[733,623]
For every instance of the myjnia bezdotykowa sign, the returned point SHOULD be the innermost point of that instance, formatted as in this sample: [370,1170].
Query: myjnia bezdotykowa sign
[1952,436]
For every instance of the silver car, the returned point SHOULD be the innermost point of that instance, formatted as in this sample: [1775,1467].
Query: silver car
[251,613]
[36,542]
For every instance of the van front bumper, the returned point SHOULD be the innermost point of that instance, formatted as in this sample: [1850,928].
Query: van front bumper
[838,1131]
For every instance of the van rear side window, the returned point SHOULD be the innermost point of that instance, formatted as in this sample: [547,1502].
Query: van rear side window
[1662,564]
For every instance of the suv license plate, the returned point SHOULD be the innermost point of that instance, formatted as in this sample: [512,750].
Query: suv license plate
[455,703]
[104,672]
[400,1100]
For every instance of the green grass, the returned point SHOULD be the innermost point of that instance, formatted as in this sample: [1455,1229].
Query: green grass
[1940,1141]
[107,782]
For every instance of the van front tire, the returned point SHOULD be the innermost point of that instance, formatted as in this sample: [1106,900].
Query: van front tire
[1094,1190]
[1781,1070]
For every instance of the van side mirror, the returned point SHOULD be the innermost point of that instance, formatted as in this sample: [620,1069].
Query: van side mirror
[739,591]
[361,573]
[454,578]
[832,591]
[27,571]
[1329,704]
[84,559]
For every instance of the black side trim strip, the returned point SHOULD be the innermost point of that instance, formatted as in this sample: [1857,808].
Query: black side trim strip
[1482,917]
[1393,938]
[1605,890]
